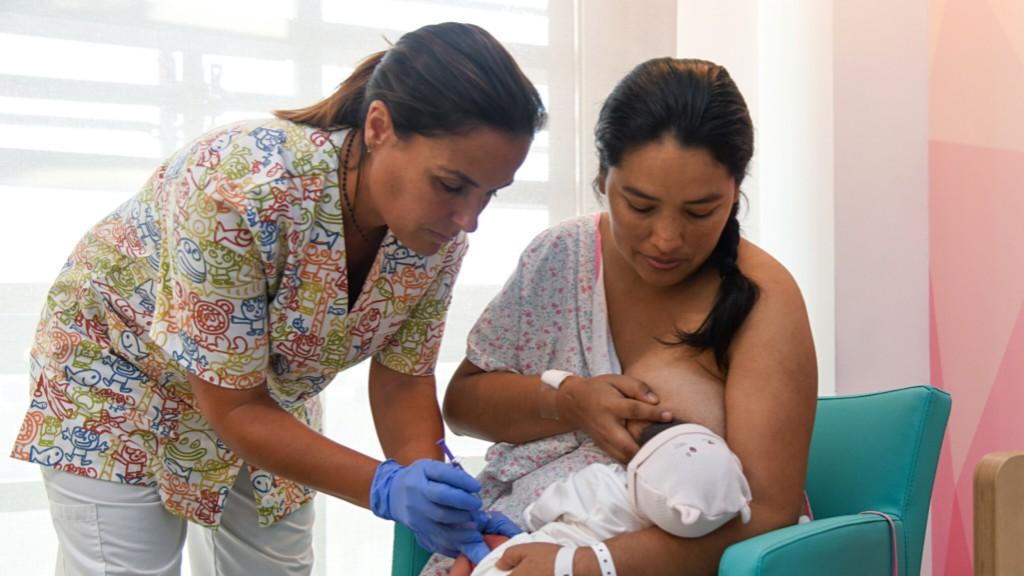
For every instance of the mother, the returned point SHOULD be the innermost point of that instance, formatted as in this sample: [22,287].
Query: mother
[596,294]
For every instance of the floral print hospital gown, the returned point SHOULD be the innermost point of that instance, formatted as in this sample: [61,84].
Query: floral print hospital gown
[551,313]
[229,264]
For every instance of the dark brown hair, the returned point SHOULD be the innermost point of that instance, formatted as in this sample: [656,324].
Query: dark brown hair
[440,79]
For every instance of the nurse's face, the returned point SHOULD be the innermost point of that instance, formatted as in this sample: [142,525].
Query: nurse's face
[428,189]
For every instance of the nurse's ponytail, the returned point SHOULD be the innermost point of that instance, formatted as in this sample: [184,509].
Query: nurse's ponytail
[342,108]
[442,79]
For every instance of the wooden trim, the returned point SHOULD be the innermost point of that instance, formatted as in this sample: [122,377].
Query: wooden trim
[999,514]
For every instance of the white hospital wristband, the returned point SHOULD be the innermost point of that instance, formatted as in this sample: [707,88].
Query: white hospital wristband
[604,559]
[563,560]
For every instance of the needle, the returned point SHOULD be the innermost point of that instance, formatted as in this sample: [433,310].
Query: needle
[448,453]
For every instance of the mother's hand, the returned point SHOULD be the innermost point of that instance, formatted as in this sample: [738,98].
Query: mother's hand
[600,406]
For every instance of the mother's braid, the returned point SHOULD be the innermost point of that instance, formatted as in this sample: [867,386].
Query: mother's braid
[736,296]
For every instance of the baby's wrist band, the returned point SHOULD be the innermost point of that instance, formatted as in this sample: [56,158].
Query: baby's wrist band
[604,559]
[563,560]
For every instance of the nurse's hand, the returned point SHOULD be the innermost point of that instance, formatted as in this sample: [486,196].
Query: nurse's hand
[433,499]
[498,523]
[493,524]
[600,406]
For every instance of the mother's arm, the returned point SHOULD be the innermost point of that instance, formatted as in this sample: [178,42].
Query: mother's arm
[507,407]
[498,406]
[770,398]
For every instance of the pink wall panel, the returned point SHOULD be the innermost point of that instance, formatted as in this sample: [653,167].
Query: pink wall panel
[976,250]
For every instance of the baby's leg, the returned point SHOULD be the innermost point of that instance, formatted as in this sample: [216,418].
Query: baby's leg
[462,565]
[498,544]
[560,533]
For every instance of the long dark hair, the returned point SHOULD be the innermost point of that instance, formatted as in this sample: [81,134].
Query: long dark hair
[438,80]
[698,104]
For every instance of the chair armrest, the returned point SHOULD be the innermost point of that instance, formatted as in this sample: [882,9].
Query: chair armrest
[854,545]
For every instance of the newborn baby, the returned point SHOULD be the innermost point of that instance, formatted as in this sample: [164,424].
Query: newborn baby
[684,478]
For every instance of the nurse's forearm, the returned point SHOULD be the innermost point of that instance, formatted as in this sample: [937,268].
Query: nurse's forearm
[405,414]
[253,426]
[500,406]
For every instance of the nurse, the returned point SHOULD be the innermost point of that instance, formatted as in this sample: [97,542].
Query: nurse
[176,366]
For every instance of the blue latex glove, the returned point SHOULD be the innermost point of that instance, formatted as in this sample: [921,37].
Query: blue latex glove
[433,499]
[498,523]
[495,523]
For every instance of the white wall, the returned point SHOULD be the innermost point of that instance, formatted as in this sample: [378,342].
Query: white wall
[839,190]
[614,37]
[780,54]
[881,188]
[881,151]
[838,186]
[725,32]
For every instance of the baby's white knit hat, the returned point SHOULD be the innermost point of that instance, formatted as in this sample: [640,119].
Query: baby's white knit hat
[687,482]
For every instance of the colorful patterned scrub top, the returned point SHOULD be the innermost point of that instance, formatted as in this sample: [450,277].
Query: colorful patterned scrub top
[229,264]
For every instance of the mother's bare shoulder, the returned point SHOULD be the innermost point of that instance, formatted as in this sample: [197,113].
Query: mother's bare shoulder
[776,285]
[763,268]
[778,328]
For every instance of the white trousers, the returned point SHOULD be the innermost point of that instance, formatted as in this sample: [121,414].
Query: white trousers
[107,528]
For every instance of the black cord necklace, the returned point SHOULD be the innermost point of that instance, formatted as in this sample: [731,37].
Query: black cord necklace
[344,185]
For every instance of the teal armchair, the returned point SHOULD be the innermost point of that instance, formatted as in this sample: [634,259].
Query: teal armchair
[870,452]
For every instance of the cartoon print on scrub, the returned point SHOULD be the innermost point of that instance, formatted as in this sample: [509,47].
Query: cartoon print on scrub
[230,265]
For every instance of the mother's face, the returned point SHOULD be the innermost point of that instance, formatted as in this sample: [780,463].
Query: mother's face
[668,205]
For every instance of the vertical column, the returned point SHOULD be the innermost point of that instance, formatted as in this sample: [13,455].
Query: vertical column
[614,37]
[726,33]
[795,165]
[881,188]
[563,72]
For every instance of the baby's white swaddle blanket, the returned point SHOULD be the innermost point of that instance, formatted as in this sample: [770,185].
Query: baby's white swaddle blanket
[586,508]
